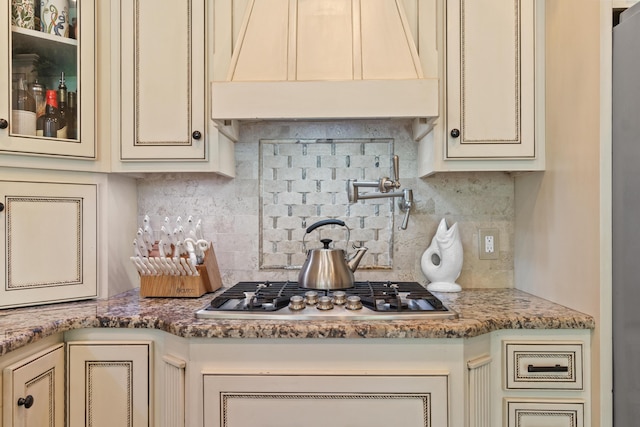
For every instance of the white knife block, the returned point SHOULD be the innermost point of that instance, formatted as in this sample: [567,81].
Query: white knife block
[184,286]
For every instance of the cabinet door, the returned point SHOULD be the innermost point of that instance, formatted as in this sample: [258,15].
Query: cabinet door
[547,413]
[34,53]
[108,384]
[48,242]
[33,390]
[490,79]
[163,80]
[318,401]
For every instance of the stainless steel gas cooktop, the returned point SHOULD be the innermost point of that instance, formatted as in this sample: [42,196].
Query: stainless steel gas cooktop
[365,300]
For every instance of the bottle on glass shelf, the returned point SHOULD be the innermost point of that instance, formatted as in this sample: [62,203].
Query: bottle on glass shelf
[62,107]
[37,90]
[51,120]
[23,110]
[72,116]
[73,28]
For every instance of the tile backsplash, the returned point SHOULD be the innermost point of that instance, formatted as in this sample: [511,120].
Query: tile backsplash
[303,181]
[290,174]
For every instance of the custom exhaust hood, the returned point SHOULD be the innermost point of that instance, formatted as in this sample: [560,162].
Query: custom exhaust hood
[325,59]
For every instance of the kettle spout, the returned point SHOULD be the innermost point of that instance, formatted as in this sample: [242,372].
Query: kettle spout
[355,259]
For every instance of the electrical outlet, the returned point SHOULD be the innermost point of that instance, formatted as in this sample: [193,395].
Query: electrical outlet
[488,243]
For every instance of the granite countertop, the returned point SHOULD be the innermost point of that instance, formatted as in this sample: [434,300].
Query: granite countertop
[481,311]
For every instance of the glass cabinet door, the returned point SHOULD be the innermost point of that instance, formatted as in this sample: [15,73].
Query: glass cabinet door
[47,61]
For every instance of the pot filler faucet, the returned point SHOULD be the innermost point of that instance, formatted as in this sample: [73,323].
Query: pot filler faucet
[387,187]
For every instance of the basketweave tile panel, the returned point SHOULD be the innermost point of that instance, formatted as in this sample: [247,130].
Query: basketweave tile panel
[303,181]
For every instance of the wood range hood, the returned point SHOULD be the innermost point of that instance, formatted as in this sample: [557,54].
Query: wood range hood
[325,59]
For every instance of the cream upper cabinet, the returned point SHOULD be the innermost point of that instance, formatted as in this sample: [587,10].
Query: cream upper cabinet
[163,80]
[48,242]
[163,73]
[493,80]
[490,79]
[34,55]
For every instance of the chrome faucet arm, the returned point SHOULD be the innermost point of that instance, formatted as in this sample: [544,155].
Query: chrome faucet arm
[357,183]
[385,186]
[380,195]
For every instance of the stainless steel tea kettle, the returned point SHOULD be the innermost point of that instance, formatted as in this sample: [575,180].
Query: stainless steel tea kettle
[327,268]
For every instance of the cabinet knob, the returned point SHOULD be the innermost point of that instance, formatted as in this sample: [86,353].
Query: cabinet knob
[26,401]
[455,133]
[3,123]
[1,207]
[196,134]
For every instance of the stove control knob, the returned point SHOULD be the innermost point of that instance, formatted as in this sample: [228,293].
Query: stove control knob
[296,303]
[339,297]
[353,303]
[324,303]
[311,297]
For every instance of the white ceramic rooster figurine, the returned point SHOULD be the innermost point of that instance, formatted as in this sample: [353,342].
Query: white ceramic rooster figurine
[442,261]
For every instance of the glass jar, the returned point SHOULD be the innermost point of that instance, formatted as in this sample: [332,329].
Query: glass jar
[23,110]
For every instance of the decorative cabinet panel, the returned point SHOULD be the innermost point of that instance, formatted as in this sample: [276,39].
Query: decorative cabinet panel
[33,390]
[479,391]
[48,242]
[490,79]
[33,58]
[173,404]
[345,400]
[163,80]
[108,383]
[547,413]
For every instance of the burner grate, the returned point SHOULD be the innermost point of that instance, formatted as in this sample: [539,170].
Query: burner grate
[378,296]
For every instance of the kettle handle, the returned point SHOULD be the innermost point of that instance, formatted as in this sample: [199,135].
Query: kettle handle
[325,222]
[320,224]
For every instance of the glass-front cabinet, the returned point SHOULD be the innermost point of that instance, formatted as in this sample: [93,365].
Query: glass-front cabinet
[47,65]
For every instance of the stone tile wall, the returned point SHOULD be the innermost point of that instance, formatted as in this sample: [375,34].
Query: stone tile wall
[245,216]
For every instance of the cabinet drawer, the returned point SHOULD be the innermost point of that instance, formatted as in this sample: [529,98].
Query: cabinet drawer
[549,413]
[543,365]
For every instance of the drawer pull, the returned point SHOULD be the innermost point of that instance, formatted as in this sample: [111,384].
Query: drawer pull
[556,368]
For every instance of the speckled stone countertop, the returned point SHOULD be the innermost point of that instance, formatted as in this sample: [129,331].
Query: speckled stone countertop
[481,311]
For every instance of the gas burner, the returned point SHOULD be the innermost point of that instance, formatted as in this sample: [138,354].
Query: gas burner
[365,300]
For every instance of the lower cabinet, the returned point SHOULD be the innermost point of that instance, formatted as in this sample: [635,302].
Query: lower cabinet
[108,383]
[145,377]
[33,390]
[327,382]
[545,383]
[321,400]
